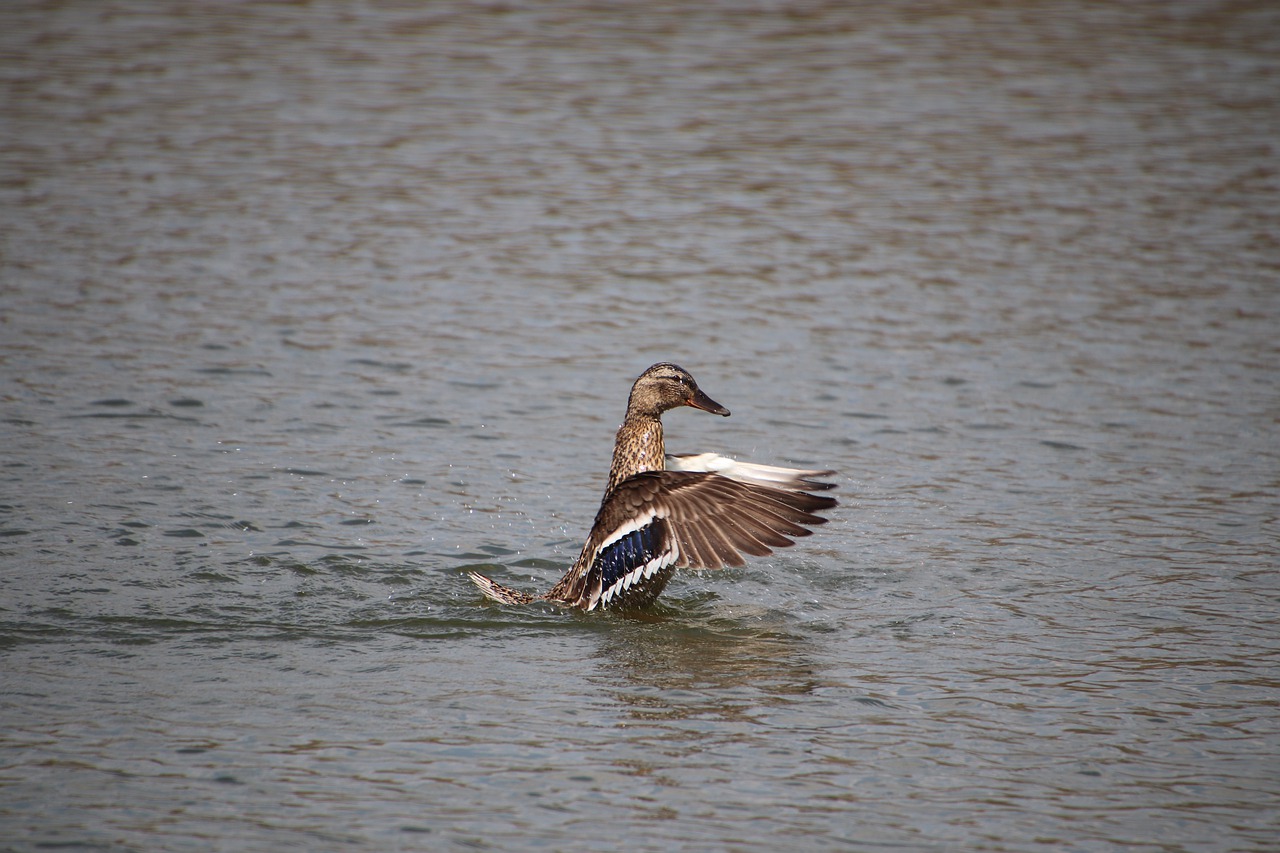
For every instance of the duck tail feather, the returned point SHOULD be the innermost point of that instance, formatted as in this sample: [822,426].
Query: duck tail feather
[499,593]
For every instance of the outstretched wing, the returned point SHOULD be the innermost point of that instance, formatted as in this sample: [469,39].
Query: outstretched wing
[716,520]
[774,476]
[659,520]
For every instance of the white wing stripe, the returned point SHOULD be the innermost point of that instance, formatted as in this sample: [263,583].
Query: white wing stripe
[637,523]
[745,472]
[638,574]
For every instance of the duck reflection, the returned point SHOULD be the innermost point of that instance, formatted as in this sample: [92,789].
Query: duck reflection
[727,664]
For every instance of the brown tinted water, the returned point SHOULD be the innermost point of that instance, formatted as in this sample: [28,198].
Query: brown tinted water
[307,309]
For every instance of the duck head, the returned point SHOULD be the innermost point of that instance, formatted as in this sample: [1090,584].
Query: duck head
[668,386]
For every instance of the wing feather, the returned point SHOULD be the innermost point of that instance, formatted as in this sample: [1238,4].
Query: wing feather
[717,520]
[655,521]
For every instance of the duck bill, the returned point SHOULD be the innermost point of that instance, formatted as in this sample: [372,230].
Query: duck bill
[702,401]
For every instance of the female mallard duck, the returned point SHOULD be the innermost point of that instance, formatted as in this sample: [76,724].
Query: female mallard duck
[662,512]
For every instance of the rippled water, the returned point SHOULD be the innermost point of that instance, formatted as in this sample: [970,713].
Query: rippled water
[307,309]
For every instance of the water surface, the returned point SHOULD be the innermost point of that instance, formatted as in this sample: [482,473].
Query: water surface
[307,310]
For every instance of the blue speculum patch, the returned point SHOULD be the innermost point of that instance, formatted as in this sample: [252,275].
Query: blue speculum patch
[628,554]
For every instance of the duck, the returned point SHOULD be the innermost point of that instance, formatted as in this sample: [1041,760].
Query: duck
[662,512]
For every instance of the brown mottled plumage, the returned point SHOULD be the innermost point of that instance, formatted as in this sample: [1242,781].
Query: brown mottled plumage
[663,512]
[639,445]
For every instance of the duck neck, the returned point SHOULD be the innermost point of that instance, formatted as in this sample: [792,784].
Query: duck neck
[639,447]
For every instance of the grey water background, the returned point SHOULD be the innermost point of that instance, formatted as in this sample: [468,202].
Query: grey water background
[309,308]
